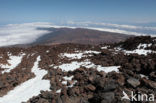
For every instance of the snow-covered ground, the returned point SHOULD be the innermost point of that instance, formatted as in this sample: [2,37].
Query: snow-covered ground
[71,66]
[75,65]
[105,47]
[28,89]
[47,51]
[69,79]
[108,69]
[73,55]
[140,50]
[86,63]
[58,91]
[13,61]
[144,76]
[74,82]
[143,46]
[78,54]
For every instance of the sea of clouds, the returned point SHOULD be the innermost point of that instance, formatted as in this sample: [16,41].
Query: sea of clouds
[116,28]
[13,34]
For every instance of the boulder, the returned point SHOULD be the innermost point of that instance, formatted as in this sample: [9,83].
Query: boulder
[110,85]
[107,97]
[133,82]
[90,87]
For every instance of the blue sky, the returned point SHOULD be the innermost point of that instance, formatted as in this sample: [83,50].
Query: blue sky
[130,11]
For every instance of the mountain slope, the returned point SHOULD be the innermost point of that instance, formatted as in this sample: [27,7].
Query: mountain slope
[79,35]
[76,73]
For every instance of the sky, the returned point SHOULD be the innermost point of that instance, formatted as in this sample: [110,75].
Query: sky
[58,11]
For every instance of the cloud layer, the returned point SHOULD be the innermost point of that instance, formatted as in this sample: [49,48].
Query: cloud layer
[21,33]
[13,34]
[120,26]
[117,28]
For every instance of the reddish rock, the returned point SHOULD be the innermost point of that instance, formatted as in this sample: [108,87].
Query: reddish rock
[90,87]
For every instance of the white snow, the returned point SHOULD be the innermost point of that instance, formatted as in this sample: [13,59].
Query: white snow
[64,82]
[75,65]
[58,91]
[144,46]
[74,82]
[108,69]
[78,54]
[140,50]
[73,55]
[68,78]
[90,51]
[13,61]
[28,89]
[47,51]
[71,66]
[32,54]
[104,47]
[144,76]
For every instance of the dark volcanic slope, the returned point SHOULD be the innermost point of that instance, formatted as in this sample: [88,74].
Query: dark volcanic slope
[77,73]
[79,35]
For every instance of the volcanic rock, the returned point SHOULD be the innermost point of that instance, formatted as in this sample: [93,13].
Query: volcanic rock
[133,82]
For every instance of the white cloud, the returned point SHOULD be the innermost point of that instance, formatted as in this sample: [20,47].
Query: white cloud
[120,31]
[21,33]
[120,26]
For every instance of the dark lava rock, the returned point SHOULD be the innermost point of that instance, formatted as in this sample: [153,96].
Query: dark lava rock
[107,97]
[108,85]
[149,83]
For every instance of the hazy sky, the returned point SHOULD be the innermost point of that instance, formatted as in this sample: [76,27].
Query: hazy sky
[19,11]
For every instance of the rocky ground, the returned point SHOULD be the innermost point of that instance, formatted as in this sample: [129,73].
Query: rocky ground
[82,73]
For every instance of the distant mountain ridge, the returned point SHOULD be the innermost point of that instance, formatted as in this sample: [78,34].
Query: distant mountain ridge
[79,35]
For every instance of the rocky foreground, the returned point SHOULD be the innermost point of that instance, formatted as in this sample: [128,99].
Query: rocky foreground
[73,73]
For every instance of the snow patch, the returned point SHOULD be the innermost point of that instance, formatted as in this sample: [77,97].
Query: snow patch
[64,82]
[140,50]
[105,47]
[75,65]
[71,66]
[58,91]
[90,51]
[28,89]
[74,82]
[73,55]
[47,51]
[13,61]
[78,54]
[143,46]
[108,69]
[68,78]
[144,76]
